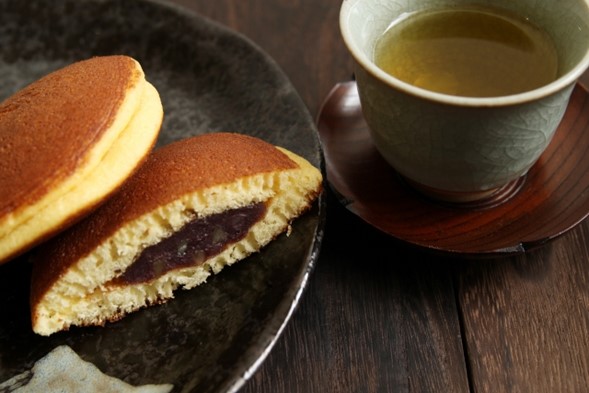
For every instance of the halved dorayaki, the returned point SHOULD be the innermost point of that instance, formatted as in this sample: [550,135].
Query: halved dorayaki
[67,141]
[195,206]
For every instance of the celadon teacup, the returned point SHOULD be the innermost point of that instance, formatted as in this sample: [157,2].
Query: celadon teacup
[454,148]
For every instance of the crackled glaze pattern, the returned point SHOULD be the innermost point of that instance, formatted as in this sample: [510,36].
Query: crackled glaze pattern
[458,149]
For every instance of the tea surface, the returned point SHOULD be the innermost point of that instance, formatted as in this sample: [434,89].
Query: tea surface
[469,52]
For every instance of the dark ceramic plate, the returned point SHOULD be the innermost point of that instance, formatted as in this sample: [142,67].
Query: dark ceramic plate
[551,199]
[211,338]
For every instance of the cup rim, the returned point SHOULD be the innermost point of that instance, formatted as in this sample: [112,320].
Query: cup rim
[359,55]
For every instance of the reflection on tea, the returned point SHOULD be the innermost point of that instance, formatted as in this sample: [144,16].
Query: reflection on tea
[469,52]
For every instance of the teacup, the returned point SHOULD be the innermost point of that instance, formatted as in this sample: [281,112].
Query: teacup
[460,148]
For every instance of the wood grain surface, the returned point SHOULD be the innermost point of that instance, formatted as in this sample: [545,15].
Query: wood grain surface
[382,316]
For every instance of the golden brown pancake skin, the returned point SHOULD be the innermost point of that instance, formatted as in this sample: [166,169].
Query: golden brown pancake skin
[48,129]
[51,124]
[169,173]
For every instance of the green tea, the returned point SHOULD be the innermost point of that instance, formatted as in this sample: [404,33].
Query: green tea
[468,52]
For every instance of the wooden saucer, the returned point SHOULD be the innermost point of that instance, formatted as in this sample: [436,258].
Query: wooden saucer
[553,197]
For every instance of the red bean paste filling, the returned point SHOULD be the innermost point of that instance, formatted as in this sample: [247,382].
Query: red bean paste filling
[193,244]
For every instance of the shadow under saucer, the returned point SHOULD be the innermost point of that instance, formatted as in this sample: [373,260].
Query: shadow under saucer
[552,198]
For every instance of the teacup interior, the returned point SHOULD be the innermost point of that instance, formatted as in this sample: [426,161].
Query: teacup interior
[566,21]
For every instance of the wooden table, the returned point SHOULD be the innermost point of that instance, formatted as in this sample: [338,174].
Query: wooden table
[381,316]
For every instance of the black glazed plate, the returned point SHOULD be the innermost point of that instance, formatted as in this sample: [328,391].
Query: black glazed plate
[211,338]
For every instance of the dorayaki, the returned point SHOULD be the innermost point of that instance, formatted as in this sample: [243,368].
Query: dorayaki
[67,142]
[194,207]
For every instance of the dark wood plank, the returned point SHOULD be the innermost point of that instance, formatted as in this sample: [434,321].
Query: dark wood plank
[526,319]
[377,317]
